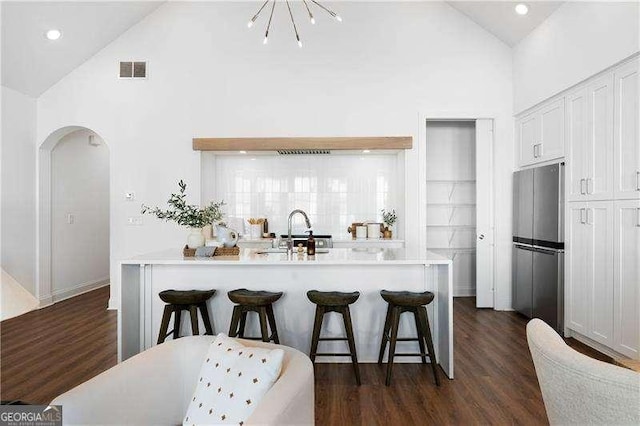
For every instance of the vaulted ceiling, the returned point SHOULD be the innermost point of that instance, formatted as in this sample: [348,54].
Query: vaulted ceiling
[31,63]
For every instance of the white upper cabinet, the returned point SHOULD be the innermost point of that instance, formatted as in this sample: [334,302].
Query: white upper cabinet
[576,163]
[599,146]
[540,134]
[527,129]
[551,144]
[626,132]
[627,277]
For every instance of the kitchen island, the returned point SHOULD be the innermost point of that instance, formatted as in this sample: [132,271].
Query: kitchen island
[365,270]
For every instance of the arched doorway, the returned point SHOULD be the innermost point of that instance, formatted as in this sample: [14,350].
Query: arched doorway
[73,214]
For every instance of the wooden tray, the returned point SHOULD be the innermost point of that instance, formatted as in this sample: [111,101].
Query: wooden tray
[227,251]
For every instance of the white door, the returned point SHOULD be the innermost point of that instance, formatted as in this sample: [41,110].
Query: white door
[627,277]
[551,144]
[599,147]
[627,132]
[576,170]
[577,289]
[527,128]
[600,265]
[484,214]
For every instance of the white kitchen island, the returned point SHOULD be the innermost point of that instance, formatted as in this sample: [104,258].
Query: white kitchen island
[365,270]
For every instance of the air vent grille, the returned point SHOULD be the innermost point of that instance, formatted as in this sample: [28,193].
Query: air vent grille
[304,151]
[133,69]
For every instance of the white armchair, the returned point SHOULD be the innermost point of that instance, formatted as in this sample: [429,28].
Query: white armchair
[577,389]
[155,386]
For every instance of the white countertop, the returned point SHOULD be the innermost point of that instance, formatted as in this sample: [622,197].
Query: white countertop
[336,256]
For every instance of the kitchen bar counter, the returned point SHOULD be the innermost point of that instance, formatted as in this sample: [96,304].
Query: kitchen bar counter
[365,270]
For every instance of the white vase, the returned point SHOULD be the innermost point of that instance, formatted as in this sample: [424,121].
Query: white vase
[195,239]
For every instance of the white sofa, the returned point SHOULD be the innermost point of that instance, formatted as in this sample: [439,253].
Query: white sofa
[580,390]
[155,387]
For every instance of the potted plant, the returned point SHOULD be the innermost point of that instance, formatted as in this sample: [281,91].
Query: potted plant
[389,218]
[189,215]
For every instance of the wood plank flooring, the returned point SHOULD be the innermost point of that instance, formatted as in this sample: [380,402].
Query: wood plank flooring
[46,352]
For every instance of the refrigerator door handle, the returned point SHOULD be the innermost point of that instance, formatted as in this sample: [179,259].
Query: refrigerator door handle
[523,246]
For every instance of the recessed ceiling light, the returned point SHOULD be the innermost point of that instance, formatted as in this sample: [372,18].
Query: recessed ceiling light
[53,34]
[522,9]
[365,151]
[243,152]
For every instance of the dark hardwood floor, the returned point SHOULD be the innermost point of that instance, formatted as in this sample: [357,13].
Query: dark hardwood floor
[46,352]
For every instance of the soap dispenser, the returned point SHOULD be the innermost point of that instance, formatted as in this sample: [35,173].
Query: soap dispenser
[311,245]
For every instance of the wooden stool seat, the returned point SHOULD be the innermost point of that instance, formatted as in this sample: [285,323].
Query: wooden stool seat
[186,297]
[398,303]
[260,302]
[407,298]
[332,298]
[243,296]
[334,301]
[184,300]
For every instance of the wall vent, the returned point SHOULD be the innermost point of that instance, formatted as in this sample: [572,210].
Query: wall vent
[133,69]
[304,151]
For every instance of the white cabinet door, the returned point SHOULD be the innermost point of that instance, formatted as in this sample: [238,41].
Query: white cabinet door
[599,141]
[576,164]
[578,290]
[528,136]
[551,144]
[627,278]
[627,132]
[599,220]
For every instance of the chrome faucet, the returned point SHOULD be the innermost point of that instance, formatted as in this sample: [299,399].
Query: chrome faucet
[306,219]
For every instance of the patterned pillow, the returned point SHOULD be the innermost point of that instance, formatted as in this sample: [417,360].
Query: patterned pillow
[232,381]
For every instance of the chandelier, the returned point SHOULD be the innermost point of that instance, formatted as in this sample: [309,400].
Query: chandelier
[293,21]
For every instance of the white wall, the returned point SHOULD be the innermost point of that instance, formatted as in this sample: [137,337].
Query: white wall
[578,40]
[18,187]
[79,187]
[374,74]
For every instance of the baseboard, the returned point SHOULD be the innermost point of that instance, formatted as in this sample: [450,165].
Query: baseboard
[595,345]
[79,289]
[113,304]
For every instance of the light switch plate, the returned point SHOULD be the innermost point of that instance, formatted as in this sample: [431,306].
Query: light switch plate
[134,221]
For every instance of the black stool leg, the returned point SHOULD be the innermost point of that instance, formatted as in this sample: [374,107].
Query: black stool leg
[272,324]
[204,311]
[164,325]
[346,316]
[262,312]
[176,321]
[421,337]
[432,353]
[385,334]
[235,318]
[317,326]
[243,323]
[193,311]
[395,322]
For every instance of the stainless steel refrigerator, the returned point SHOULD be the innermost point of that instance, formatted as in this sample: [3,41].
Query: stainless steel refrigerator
[538,244]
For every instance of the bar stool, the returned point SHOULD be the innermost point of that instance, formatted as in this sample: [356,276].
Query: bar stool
[398,303]
[254,301]
[333,301]
[184,300]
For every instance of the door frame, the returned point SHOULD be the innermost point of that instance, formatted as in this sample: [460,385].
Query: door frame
[422,178]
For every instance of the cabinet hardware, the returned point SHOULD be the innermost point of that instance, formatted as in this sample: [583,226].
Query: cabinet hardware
[481,237]
[535,155]
[582,186]
[638,181]
[582,216]
[638,217]
[540,150]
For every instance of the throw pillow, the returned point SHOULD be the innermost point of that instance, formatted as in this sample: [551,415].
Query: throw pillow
[232,381]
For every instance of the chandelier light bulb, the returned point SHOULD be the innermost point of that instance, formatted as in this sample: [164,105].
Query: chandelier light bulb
[250,24]
[266,40]
[338,18]
[299,43]
[53,34]
[313,20]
